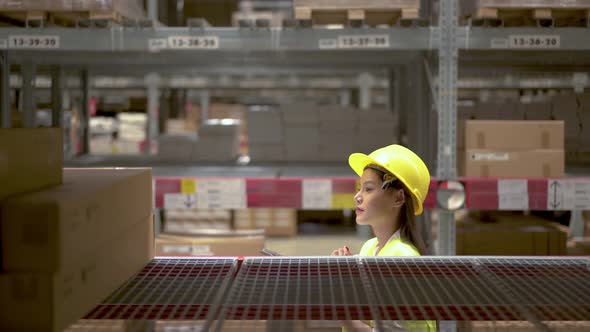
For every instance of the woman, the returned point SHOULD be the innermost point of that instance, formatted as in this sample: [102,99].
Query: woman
[394,183]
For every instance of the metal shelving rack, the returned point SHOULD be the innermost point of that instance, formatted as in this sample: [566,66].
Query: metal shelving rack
[275,292]
[152,49]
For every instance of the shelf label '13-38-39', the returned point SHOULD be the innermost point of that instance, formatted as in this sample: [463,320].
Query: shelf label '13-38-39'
[193,42]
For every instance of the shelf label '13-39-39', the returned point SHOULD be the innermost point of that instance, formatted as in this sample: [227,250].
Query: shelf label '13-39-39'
[33,42]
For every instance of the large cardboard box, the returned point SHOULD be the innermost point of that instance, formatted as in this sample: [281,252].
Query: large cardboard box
[266,152]
[265,127]
[30,159]
[52,229]
[51,301]
[511,235]
[276,222]
[300,114]
[514,135]
[211,243]
[506,163]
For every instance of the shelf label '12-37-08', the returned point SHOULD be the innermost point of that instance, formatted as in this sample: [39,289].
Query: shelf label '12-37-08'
[534,41]
[33,42]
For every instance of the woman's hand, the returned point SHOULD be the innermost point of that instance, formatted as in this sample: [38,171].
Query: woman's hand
[344,251]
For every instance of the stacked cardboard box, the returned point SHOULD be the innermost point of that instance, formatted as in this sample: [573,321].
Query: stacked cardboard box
[513,149]
[211,243]
[265,135]
[584,147]
[177,147]
[509,234]
[218,141]
[565,108]
[132,132]
[377,128]
[67,247]
[338,132]
[302,132]
[195,220]
[275,222]
[30,159]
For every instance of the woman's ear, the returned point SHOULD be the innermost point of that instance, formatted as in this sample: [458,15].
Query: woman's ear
[399,198]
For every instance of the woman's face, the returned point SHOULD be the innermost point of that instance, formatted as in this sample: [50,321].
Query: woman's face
[373,204]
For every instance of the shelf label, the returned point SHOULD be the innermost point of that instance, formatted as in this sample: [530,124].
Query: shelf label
[363,41]
[33,42]
[317,194]
[156,44]
[192,42]
[221,194]
[534,41]
[3,44]
[326,44]
[180,201]
[513,195]
[568,195]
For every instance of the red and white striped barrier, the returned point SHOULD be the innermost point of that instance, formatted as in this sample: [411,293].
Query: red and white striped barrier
[338,193]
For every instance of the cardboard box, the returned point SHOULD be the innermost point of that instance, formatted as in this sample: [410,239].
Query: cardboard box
[265,127]
[506,163]
[301,135]
[511,235]
[52,301]
[228,326]
[30,159]
[538,111]
[211,243]
[300,114]
[52,229]
[266,152]
[579,246]
[276,222]
[330,114]
[514,135]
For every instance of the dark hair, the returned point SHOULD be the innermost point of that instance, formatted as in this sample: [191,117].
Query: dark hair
[407,227]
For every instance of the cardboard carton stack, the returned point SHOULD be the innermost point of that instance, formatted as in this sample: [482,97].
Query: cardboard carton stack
[507,234]
[195,220]
[377,128]
[565,108]
[308,132]
[132,132]
[265,135]
[68,237]
[301,132]
[583,154]
[101,134]
[513,149]
[338,132]
[211,242]
[218,141]
[275,222]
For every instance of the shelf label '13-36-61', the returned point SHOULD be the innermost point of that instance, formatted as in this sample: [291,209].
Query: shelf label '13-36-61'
[193,42]
[534,41]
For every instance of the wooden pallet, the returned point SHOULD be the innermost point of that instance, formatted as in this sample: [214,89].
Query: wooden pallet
[40,18]
[357,13]
[541,17]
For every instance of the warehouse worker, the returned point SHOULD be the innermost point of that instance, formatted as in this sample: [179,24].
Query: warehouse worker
[394,184]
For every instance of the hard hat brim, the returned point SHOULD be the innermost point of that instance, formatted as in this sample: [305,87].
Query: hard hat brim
[358,162]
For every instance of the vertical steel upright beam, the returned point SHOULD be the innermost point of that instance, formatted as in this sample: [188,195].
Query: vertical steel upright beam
[365,82]
[447,123]
[205,103]
[85,112]
[5,110]
[57,93]
[447,115]
[29,112]
[152,9]
[153,101]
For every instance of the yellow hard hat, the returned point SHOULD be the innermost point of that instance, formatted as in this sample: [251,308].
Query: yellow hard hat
[403,163]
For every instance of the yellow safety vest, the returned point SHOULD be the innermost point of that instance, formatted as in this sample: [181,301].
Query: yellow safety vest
[398,248]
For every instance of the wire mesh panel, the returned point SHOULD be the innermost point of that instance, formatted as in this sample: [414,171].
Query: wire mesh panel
[556,289]
[283,289]
[187,288]
[429,288]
